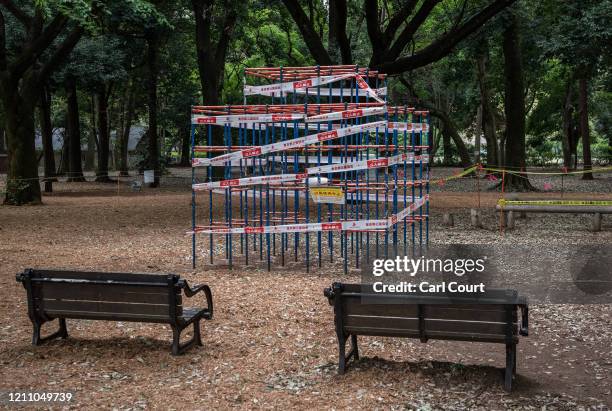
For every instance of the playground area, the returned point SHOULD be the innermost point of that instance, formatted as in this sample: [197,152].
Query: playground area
[271,343]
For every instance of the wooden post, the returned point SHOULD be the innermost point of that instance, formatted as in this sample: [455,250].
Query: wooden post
[510,220]
[596,222]
[475,218]
[448,220]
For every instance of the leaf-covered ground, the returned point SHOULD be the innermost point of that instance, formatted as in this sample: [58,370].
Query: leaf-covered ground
[272,342]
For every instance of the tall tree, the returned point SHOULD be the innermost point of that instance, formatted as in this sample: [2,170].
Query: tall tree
[47,42]
[488,120]
[126,116]
[46,130]
[514,105]
[152,37]
[583,98]
[389,42]
[101,104]
[212,45]
[73,131]
[581,37]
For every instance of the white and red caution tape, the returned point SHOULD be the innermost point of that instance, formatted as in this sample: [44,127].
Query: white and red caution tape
[298,228]
[378,197]
[300,86]
[367,164]
[409,127]
[288,144]
[363,85]
[242,119]
[346,114]
[260,121]
[331,168]
[358,225]
[280,89]
[408,211]
[340,92]
[249,181]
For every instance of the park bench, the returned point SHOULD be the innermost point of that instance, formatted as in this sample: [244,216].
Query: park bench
[153,298]
[491,316]
[594,207]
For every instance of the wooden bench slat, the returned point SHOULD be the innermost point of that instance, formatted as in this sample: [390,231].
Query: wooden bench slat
[434,335]
[490,297]
[460,312]
[108,293]
[468,314]
[106,307]
[90,315]
[92,275]
[439,325]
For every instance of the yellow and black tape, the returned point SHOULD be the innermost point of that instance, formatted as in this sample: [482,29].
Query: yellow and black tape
[502,202]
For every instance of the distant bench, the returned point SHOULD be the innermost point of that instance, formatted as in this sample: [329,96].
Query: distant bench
[490,317]
[151,298]
[594,207]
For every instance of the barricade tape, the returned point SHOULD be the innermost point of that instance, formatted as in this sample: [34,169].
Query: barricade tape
[289,144]
[520,172]
[280,88]
[261,125]
[246,118]
[363,85]
[347,114]
[368,164]
[503,202]
[288,87]
[337,92]
[331,168]
[359,225]
[350,197]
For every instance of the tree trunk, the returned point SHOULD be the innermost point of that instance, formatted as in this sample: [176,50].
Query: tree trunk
[446,144]
[46,129]
[339,48]
[92,138]
[211,56]
[488,123]
[2,137]
[19,104]
[514,107]
[73,129]
[450,131]
[103,135]
[185,146]
[152,76]
[583,96]
[435,143]
[125,134]
[568,126]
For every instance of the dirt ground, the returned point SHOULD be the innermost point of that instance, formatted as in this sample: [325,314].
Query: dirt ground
[271,343]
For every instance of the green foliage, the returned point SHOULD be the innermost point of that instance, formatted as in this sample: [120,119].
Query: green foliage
[580,33]
[559,40]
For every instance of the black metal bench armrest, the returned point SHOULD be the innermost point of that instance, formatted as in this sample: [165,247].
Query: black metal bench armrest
[332,292]
[329,293]
[524,329]
[191,291]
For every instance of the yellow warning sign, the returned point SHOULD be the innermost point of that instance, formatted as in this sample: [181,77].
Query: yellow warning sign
[328,195]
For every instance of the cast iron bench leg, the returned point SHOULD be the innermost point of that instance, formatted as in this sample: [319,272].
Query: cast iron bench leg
[355,347]
[177,347]
[510,366]
[61,333]
[196,333]
[342,356]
